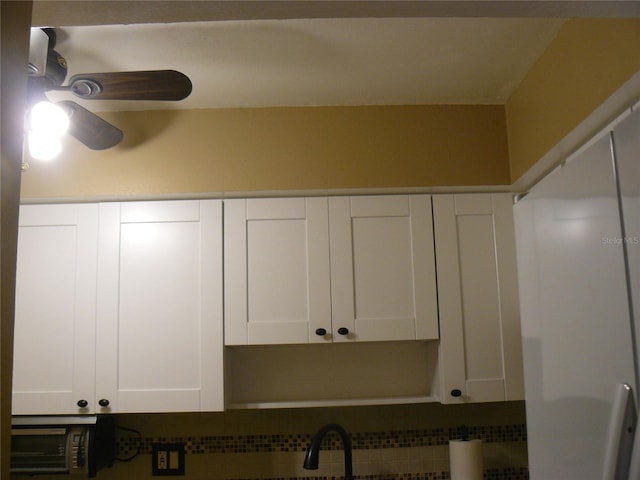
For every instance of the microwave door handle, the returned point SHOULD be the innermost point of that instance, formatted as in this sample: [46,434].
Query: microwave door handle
[620,441]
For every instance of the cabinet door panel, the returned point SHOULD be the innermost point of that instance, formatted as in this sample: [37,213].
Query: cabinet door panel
[480,351]
[276,270]
[160,306]
[55,309]
[273,247]
[481,298]
[159,276]
[382,268]
[381,259]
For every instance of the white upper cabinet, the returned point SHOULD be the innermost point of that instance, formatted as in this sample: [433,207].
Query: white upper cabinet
[480,344]
[383,284]
[119,308]
[314,270]
[277,285]
[55,310]
[159,307]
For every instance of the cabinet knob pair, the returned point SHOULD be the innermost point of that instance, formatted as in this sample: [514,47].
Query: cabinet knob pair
[103,402]
[321,332]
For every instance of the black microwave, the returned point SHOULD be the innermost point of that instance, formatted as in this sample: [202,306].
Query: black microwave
[63,445]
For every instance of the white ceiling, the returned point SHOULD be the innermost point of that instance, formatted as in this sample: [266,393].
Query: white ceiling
[310,62]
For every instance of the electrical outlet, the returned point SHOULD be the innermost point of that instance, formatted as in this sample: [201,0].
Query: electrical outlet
[167,458]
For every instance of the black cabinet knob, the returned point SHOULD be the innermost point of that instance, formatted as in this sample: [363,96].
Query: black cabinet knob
[456,392]
[82,403]
[321,332]
[343,331]
[103,402]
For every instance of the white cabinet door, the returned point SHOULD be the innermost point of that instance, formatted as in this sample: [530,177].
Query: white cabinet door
[55,310]
[159,323]
[383,284]
[480,344]
[276,270]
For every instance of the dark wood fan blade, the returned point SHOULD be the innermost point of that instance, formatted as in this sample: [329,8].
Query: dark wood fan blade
[90,129]
[144,85]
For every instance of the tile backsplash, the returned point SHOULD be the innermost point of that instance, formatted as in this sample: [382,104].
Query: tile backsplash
[389,442]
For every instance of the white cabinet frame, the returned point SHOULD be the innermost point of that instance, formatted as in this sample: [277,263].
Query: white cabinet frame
[276,256]
[337,269]
[383,284]
[184,367]
[54,353]
[480,344]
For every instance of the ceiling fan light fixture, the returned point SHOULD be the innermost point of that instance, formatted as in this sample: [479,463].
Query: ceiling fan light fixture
[48,71]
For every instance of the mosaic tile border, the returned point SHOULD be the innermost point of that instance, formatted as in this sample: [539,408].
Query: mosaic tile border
[299,442]
[489,474]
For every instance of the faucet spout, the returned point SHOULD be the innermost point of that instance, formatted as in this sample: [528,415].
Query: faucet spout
[313,452]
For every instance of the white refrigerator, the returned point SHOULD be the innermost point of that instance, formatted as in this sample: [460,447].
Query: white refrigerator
[578,247]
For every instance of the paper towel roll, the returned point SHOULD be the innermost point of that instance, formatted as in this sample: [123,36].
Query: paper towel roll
[465,459]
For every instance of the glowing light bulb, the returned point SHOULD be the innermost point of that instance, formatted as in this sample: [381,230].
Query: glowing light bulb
[43,146]
[49,118]
[47,124]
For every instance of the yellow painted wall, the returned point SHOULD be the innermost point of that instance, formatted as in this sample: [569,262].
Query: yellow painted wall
[317,148]
[236,150]
[585,64]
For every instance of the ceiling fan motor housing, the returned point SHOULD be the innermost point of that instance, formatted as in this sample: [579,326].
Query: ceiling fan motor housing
[55,73]
[56,68]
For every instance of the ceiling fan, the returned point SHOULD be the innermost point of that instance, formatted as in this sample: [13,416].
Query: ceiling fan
[48,70]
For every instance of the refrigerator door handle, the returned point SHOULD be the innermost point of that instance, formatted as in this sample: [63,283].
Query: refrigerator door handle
[620,435]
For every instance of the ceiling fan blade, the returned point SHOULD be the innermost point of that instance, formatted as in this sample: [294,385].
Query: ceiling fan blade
[89,128]
[143,85]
